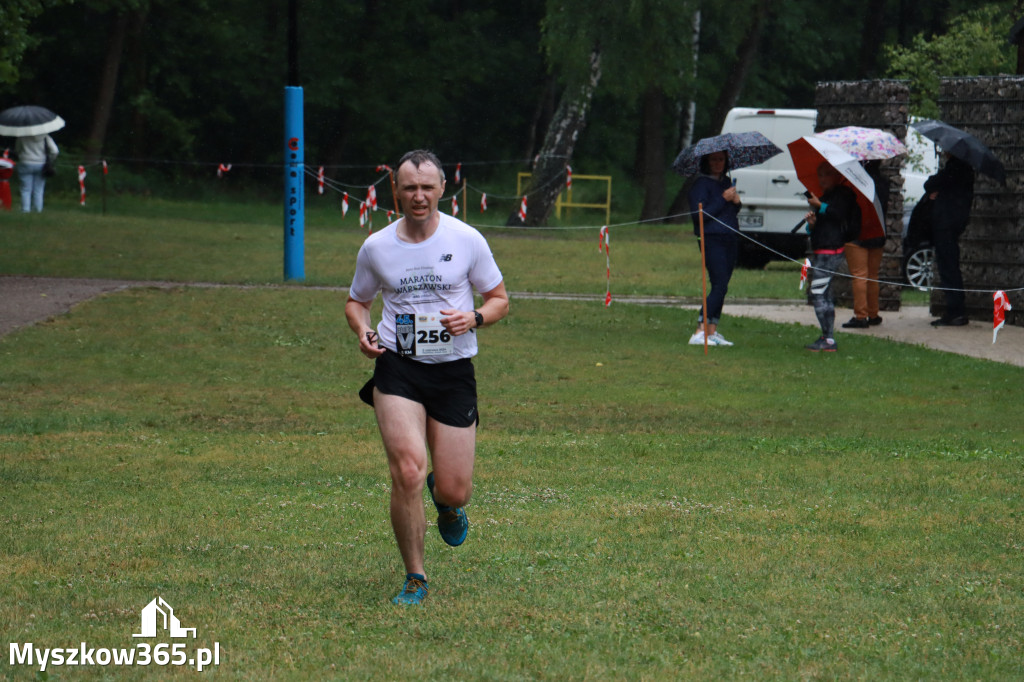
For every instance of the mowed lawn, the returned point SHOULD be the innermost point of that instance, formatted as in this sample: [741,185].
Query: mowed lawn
[641,510]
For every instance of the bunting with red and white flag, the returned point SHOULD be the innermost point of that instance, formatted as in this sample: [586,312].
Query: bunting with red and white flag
[371,197]
[222,169]
[1001,304]
[568,177]
[455,205]
[483,202]
[104,167]
[390,214]
[803,272]
[320,180]
[344,204]
[603,245]
[81,184]
[458,173]
[522,209]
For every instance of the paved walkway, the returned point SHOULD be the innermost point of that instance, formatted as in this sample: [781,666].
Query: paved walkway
[27,300]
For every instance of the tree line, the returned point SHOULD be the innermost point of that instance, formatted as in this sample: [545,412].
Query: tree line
[618,85]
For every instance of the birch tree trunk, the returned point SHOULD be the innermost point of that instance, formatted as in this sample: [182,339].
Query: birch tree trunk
[548,178]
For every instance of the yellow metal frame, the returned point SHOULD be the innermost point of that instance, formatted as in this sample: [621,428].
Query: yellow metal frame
[565,196]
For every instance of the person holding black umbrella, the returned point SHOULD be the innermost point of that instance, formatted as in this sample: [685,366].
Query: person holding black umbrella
[952,191]
[715,191]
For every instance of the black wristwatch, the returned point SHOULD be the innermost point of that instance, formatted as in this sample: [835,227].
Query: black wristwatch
[479,318]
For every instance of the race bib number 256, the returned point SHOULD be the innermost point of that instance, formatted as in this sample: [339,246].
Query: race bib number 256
[422,335]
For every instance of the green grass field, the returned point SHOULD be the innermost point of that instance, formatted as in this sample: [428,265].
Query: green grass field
[641,510]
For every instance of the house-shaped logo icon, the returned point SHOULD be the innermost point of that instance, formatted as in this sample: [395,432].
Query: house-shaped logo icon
[159,609]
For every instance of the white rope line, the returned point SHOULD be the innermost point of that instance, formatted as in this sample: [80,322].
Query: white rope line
[849,276]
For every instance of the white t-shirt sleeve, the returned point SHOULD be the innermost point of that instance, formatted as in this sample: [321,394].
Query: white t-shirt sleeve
[365,283]
[484,275]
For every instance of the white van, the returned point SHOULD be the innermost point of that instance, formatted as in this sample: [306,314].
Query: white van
[773,198]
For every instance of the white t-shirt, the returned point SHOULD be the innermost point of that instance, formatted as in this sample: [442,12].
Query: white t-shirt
[422,279]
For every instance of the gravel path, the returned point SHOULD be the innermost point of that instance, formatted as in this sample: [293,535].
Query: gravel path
[27,300]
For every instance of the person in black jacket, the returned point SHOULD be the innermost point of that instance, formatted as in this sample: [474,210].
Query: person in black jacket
[952,191]
[831,219]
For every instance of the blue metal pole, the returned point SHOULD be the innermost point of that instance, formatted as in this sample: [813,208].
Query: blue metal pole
[294,194]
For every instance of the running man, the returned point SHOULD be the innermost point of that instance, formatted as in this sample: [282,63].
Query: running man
[423,390]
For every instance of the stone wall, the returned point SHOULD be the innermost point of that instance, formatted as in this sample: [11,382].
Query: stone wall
[880,104]
[992,247]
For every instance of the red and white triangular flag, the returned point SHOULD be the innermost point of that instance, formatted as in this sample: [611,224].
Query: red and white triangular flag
[603,245]
[803,272]
[1001,304]
[522,209]
[320,180]
[222,169]
[81,184]
[455,205]
[344,204]
[458,173]
[568,177]
[371,197]
[483,202]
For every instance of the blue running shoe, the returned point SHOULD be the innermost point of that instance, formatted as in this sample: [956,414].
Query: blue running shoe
[414,591]
[452,522]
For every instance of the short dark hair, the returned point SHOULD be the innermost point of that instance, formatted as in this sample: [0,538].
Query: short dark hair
[418,156]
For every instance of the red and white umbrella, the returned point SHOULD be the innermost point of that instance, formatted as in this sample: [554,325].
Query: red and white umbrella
[809,152]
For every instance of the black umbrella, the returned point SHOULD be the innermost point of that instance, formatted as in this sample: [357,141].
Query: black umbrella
[28,121]
[963,146]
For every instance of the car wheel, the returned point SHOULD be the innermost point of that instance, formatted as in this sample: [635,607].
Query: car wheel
[919,269]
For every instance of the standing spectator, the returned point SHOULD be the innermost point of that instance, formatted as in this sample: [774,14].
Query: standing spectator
[864,258]
[832,218]
[32,154]
[952,191]
[715,192]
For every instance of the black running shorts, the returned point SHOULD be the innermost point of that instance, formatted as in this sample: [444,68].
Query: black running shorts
[447,389]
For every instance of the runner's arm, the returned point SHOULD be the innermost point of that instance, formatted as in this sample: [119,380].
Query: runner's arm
[494,309]
[358,315]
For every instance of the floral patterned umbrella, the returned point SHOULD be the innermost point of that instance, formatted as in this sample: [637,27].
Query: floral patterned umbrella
[865,143]
[744,149]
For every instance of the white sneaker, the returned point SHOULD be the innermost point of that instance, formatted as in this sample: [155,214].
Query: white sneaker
[698,339]
[718,340]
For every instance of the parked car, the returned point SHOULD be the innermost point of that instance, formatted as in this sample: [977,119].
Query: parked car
[918,254]
[773,201]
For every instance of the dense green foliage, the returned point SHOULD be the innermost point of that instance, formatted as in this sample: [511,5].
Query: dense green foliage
[199,82]
[971,47]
